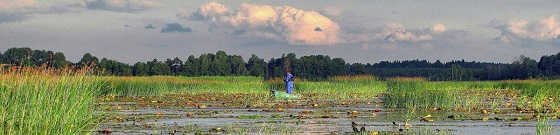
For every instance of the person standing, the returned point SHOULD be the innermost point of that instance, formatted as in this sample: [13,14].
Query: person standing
[289,82]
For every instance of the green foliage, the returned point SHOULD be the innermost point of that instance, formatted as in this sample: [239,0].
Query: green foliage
[59,61]
[18,56]
[158,68]
[141,69]
[550,65]
[112,67]
[88,60]
[256,66]
[313,67]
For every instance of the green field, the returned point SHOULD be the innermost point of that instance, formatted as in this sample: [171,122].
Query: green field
[55,102]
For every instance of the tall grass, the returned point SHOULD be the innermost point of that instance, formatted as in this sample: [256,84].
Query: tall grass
[339,87]
[158,85]
[398,92]
[43,101]
[416,94]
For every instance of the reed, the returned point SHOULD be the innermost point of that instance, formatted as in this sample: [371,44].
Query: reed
[45,101]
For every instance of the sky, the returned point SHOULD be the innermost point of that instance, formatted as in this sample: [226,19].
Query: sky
[366,31]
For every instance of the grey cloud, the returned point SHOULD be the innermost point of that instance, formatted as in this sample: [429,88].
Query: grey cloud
[120,5]
[4,18]
[13,11]
[175,27]
[149,26]
[396,32]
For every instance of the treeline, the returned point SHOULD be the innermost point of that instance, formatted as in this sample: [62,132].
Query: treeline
[313,67]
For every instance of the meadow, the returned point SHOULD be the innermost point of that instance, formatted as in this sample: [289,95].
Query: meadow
[42,101]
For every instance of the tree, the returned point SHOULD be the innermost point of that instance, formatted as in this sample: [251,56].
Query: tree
[40,57]
[220,65]
[204,62]
[237,65]
[550,65]
[59,60]
[256,66]
[140,69]
[191,66]
[524,67]
[158,68]
[176,65]
[357,69]
[337,66]
[18,56]
[88,60]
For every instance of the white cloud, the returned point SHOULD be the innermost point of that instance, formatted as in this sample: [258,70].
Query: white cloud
[297,27]
[542,30]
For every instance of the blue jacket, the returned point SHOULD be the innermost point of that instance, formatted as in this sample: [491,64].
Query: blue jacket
[289,78]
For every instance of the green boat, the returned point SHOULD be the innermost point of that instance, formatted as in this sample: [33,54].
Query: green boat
[283,95]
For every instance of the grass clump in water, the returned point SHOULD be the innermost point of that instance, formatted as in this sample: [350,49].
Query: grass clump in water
[414,94]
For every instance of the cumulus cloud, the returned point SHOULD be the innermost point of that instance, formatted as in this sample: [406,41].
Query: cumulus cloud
[395,32]
[175,27]
[541,30]
[296,26]
[121,5]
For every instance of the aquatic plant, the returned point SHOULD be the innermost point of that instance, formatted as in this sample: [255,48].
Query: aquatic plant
[46,101]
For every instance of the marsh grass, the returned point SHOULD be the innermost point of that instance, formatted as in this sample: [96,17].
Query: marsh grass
[537,95]
[542,126]
[416,94]
[45,101]
[398,92]
[159,85]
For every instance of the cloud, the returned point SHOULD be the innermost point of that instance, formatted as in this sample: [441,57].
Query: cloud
[285,23]
[121,5]
[438,28]
[542,30]
[332,11]
[395,32]
[149,26]
[18,10]
[174,27]
[17,5]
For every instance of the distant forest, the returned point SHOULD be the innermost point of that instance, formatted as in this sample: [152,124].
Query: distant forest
[313,67]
